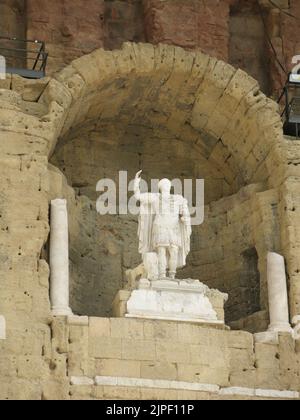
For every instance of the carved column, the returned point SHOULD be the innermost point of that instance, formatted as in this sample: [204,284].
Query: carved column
[278,294]
[2,328]
[59,259]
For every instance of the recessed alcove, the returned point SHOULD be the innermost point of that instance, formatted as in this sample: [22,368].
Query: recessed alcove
[178,115]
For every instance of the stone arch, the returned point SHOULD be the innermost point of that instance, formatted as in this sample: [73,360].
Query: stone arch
[191,93]
[217,112]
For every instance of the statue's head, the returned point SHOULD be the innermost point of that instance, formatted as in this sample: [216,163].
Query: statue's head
[165,186]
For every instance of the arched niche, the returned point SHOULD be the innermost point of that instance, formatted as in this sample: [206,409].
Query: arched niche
[178,114]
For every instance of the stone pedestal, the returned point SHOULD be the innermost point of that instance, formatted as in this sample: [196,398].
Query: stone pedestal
[59,259]
[2,328]
[172,300]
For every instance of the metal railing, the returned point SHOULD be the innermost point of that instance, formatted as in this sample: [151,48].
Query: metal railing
[24,57]
[291,108]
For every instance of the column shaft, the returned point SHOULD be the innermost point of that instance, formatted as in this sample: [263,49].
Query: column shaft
[59,259]
[278,295]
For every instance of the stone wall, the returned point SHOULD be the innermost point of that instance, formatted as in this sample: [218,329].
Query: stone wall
[199,100]
[254,36]
[13,23]
[190,24]
[13,18]
[230,30]
[139,359]
[70,28]
[248,43]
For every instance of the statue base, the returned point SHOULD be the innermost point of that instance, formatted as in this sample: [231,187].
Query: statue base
[172,300]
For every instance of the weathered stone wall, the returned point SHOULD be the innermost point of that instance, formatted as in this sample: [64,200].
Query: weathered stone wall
[71,28]
[240,32]
[13,18]
[248,43]
[123,21]
[231,30]
[229,250]
[13,24]
[150,351]
[189,24]
[199,100]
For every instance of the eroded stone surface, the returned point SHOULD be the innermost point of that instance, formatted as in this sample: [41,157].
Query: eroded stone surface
[243,144]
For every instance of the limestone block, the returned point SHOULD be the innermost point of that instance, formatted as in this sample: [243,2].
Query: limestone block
[6,83]
[203,375]
[267,355]
[78,320]
[142,350]
[127,328]
[241,359]
[193,334]
[159,370]
[106,348]
[118,392]
[20,390]
[215,356]
[60,335]
[240,340]
[243,378]
[268,337]
[114,367]
[58,365]
[32,367]
[119,306]
[8,365]
[268,379]
[56,390]
[99,327]
[161,330]
[167,351]
[82,392]
[30,90]
[79,361]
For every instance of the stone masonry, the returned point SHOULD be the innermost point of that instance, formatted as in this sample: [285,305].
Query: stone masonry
[252,35]
[235,130]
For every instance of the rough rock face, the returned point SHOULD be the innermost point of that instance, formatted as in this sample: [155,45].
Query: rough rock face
[70,28]
[254,36]
[190,24]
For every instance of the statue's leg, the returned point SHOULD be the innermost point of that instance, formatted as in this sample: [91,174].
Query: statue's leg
[173,261]
[162,262]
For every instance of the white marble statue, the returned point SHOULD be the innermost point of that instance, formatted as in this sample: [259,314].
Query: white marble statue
[164,228]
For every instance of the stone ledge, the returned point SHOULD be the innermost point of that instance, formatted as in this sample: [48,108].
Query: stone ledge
[186,386]
[78,320]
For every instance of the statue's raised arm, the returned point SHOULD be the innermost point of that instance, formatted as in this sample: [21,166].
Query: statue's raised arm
[137,182]
[144,198]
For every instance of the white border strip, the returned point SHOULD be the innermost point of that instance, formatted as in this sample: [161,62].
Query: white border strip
[2,328]
[187,386]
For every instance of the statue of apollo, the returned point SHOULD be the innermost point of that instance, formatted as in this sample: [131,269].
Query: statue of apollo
[164,227]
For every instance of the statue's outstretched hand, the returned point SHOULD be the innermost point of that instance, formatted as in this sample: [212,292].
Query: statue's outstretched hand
[138,175]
